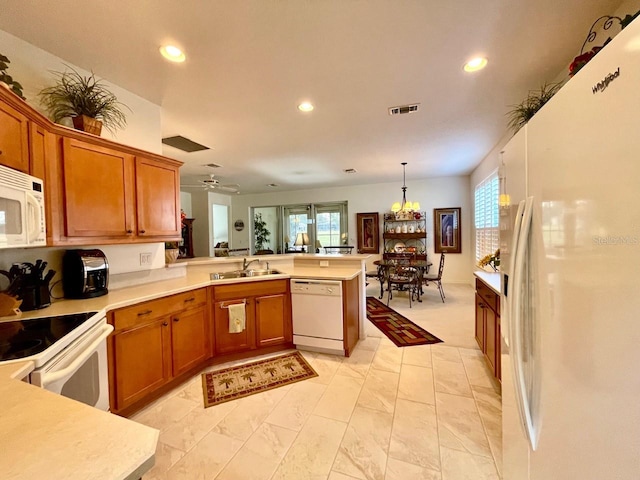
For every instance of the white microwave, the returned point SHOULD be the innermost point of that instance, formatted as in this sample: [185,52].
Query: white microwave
[22,217]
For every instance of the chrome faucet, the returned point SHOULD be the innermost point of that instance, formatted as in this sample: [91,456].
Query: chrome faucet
[246,264]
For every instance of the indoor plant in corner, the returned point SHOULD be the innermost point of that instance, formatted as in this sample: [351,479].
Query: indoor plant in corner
[261,232]
[85,100]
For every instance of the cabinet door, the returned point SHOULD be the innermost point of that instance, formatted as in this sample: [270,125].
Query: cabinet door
[189,339]
[157,198]
[99,190]
[233,342]
[42,150]
[142,361]
[480,308]
[272,327]
[14,139]
[491,335]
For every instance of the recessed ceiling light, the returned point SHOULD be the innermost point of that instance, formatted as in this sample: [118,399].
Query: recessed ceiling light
[475,64]
[272,185]
[350,170]
[305,107]
[172,53]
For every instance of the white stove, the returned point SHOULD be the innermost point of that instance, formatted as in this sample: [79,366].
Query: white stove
[68,351]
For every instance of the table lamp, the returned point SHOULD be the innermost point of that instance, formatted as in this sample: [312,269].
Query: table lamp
[302,240]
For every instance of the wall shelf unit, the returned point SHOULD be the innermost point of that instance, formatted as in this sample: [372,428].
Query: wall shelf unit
[405,234]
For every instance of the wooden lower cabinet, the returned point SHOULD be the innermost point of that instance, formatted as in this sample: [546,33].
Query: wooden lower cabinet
[158,343]
[227,342]
[480,321]
[267,312]
[154,342]
[142,361]
[272,327]
[189,330]
[487,329]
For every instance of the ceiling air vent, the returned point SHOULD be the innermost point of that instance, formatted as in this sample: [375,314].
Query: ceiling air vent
[184,144]
[350,170]
[402,109]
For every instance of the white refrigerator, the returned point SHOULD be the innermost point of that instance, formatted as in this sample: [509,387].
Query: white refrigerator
[570,251]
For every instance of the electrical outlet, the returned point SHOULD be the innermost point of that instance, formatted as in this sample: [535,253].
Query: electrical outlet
[145,258]
[324,263]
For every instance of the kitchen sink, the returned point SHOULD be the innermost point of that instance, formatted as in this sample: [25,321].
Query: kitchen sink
[257,273]
[242,274]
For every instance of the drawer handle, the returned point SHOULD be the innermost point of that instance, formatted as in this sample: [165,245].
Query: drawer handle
[146,312]
[189,300]
[176,319]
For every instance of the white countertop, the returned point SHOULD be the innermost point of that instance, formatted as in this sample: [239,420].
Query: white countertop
[491,279]
[197,276]
[45,435]
[44,432]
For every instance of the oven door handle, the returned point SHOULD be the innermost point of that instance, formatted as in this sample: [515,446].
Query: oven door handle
[54,377]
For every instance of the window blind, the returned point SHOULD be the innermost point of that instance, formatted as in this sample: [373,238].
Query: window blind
[487,219]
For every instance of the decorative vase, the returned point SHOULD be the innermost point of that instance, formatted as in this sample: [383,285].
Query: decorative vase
[171,255]
[87,124]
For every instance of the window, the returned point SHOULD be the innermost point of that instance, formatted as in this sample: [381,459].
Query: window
[325,224]
[487,218]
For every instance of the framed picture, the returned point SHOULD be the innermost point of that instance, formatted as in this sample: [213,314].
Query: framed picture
[446,230]
[368,233]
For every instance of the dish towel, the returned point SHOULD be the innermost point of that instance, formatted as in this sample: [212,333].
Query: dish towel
[237,318]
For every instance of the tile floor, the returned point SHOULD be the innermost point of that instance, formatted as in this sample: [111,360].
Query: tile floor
[385,413]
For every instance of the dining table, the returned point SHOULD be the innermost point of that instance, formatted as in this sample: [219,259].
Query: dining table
[422,267]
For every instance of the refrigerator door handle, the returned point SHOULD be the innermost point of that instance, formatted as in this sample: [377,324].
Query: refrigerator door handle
[521,243]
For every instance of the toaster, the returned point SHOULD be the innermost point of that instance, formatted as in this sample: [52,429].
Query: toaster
[85,273]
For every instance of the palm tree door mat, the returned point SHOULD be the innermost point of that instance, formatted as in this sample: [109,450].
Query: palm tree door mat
[236,382]
[398,328]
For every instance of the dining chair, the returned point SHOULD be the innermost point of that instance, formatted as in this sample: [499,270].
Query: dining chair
[437,279]
[403,277]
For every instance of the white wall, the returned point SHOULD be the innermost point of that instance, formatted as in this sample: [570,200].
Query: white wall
[31,67]
[441,192]
[185,203]
[202,203]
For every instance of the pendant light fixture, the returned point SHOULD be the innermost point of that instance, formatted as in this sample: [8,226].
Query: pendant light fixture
[400,208]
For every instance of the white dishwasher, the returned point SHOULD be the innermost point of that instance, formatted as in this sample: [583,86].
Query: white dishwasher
[316,307]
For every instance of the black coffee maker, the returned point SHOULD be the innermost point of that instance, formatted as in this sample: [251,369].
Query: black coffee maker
[85,273]
[28,282]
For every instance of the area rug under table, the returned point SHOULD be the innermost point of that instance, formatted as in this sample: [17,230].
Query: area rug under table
[400,330]
[244,380]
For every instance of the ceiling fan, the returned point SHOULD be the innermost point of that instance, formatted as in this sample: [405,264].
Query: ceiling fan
[213,183]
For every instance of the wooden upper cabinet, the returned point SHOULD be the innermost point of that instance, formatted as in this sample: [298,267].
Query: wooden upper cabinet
[99,191]
[14,138]
[158,198]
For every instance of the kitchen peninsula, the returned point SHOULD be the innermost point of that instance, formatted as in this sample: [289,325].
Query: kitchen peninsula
[92,441]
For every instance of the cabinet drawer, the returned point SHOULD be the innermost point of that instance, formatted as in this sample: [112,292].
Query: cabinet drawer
[491,298]
[246,289]
[145,312]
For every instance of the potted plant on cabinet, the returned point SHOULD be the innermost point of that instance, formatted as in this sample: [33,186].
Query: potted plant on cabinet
[86,100]
[524,111]
[7,79]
